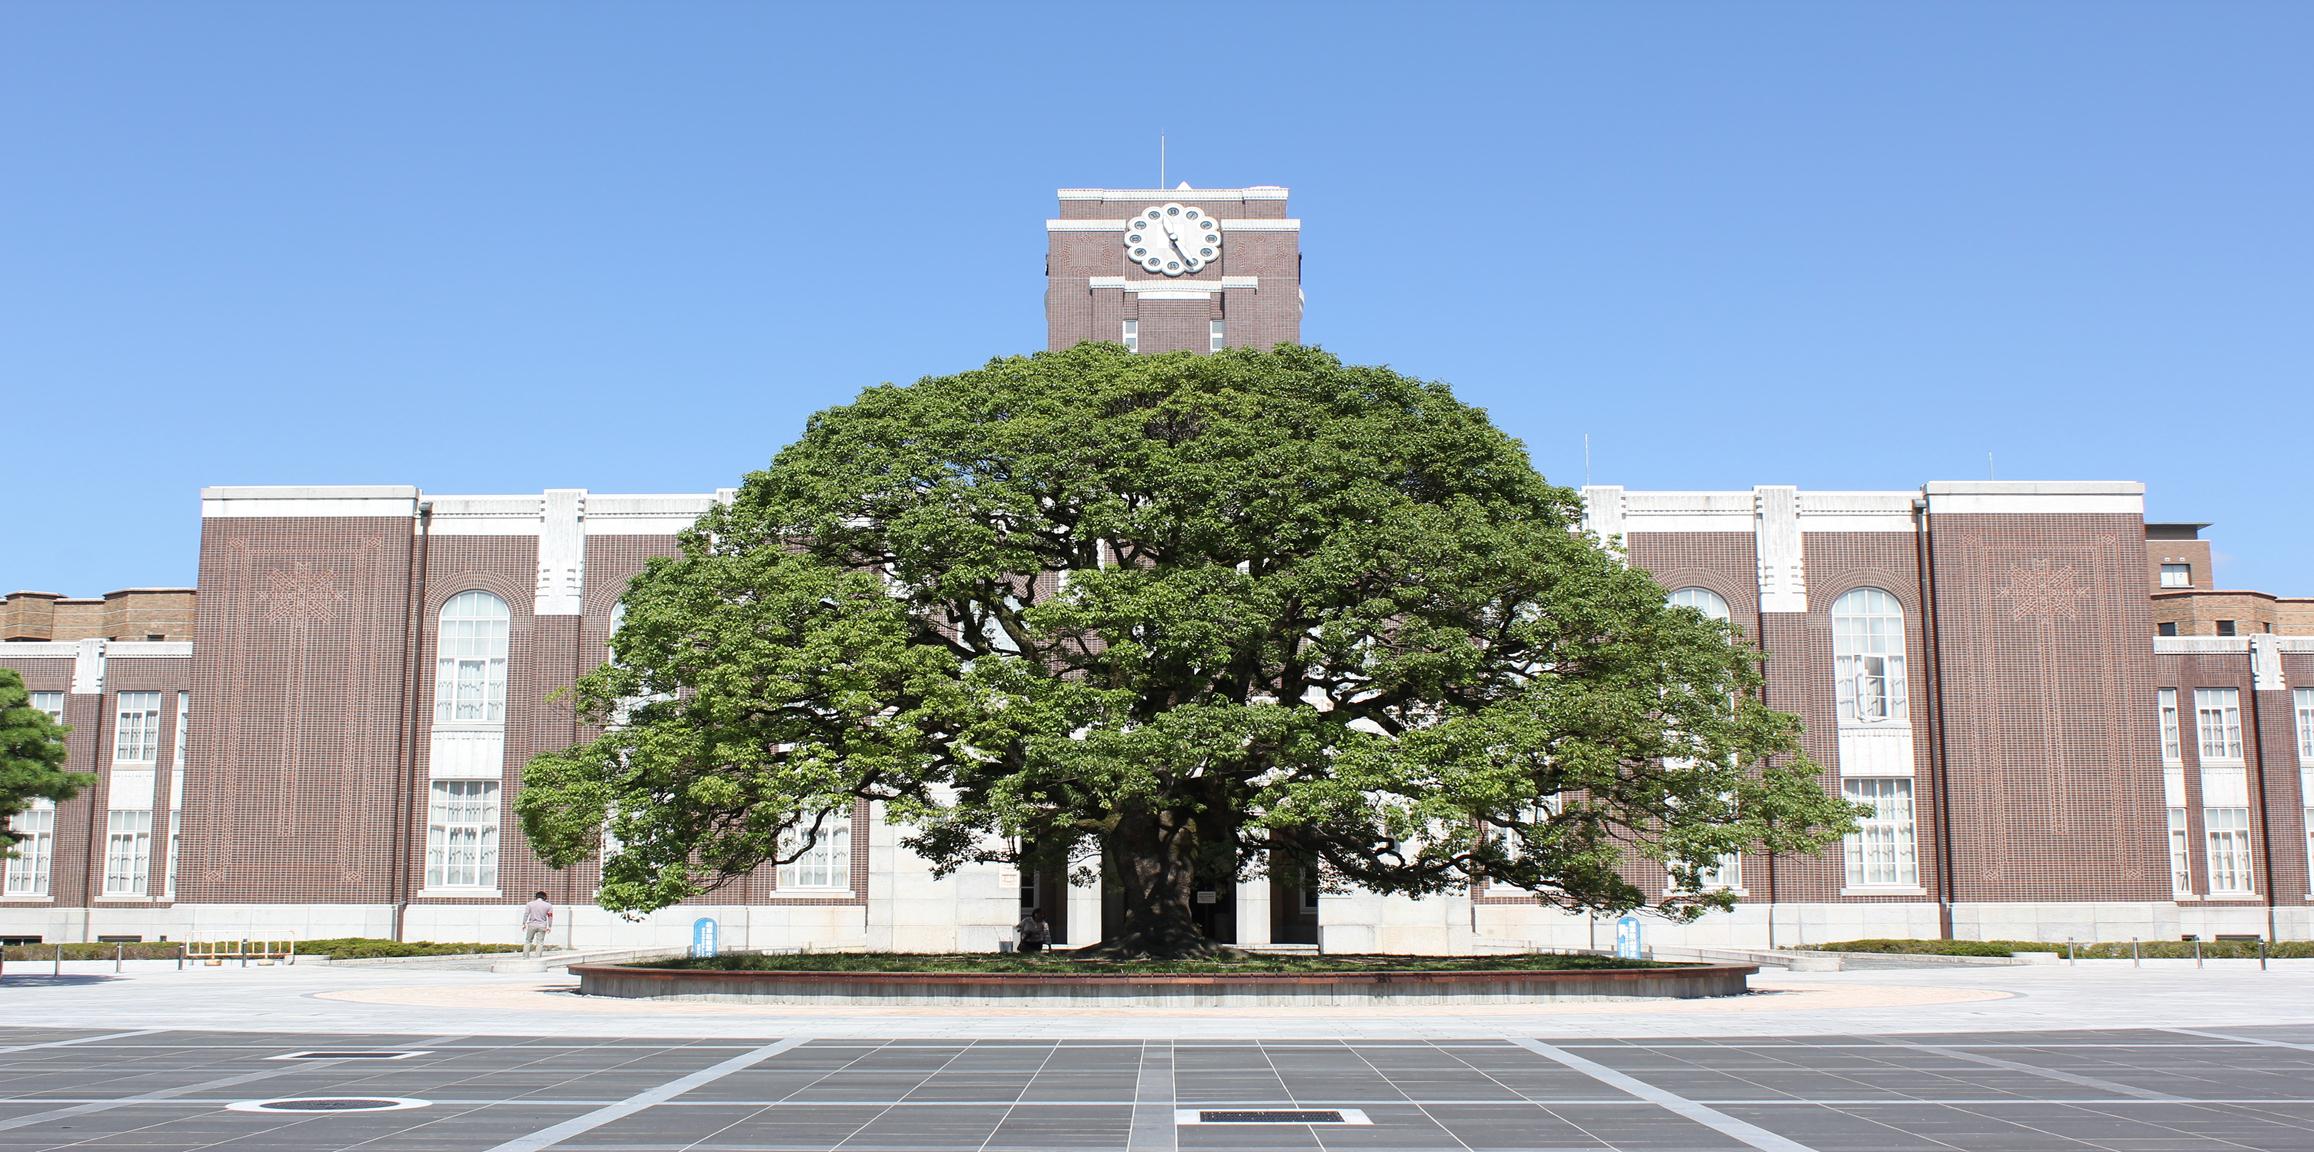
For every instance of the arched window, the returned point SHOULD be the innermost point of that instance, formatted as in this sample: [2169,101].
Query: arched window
[470,660]
[1868,658]
[1703,600]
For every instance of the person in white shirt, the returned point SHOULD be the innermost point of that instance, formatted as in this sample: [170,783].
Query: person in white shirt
[537,920]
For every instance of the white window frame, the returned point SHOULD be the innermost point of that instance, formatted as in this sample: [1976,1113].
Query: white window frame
[2180,854]
[1216,333]
[128,853]
[826,866]
[2302,706]
[2227,833]
[2182,572]
[1703,600]
[51,703]
[31,859]
[1883,854]
[2217,721]
[177,793]
[2172,744]
[1870,688]
[137,728]
[462,824]
[470,644]
[1129,334]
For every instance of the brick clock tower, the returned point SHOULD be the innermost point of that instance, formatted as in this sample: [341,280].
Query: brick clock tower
[1163,270]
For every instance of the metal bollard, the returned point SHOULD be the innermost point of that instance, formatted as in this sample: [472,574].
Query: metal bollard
[2071,957]
[2134,962]
[2197,953]
[2261,955]
[59,969]
[119,952]
[180,955]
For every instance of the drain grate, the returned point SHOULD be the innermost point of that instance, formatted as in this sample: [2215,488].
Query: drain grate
[1270,1116]
[328,1104]
[340,1054]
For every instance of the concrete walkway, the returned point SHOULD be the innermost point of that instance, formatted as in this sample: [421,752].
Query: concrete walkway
[2094,994]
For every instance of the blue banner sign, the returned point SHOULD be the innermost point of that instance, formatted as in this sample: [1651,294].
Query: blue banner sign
[1627,938]
[703,938]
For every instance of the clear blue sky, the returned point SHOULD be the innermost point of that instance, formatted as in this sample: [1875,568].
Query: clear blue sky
[505,247]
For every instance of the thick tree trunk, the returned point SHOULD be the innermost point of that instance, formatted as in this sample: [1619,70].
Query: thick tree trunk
[1154,857]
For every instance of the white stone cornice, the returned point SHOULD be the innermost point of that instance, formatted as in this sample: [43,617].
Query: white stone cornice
[149,650]
[1228,284]
[39,650]
[1228,225]
[2044,497]
[1258,192]
[302,500]
[2200,645]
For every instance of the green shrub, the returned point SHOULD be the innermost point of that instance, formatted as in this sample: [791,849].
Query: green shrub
[1063,964]
[2100,950]
[361,948]
[1919,947]
[338,948]
[146,950]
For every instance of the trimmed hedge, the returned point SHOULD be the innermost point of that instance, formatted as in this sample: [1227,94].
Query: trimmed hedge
[1935,947]
[337,948]
[146,950]
[2100,950]
[360,948]
[1063,964]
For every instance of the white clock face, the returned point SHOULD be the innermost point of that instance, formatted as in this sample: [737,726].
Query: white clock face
[1172,239]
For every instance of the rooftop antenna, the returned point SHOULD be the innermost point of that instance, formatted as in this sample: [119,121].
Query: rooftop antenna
[1989,473]
[1160,159]
[1586,459]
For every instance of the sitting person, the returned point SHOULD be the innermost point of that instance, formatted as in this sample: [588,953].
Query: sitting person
[1032,933]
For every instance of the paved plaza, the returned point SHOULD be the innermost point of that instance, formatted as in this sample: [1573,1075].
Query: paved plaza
[1974,1059]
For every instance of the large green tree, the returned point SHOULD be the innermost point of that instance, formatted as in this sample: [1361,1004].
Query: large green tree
[31,756]
[1178,608]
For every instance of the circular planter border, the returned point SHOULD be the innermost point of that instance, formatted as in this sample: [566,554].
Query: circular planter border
[1219,989]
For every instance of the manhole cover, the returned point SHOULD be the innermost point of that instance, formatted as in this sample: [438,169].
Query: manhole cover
[334,1054]
[1270,1116]
[328,1104]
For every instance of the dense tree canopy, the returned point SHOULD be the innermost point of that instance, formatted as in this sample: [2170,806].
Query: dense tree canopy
[1173,607]
[31,755]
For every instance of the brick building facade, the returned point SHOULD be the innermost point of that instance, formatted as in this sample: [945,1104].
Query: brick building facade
[372,667]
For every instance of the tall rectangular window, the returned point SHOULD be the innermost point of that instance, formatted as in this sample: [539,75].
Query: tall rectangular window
[137,732]
[51,703]
[2177,575]
[177,793]
[1131,335]
[2180,855]
[1881,850]
[1868,658]
[2302,701]
[462,834]
[1214,335]
[2229,839]
[827,863]
[2172,749]
[128,851]
[29,859]
[2217,714]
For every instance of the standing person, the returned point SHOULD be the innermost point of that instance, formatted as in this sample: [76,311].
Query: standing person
[1033,932]
[537,921]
